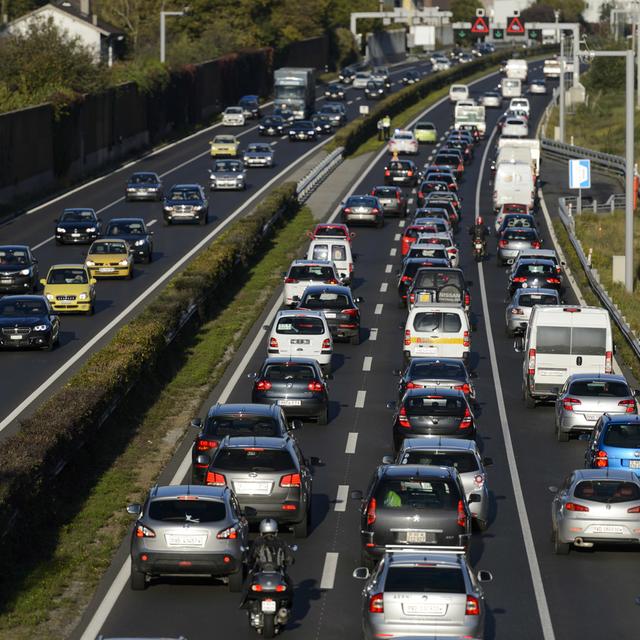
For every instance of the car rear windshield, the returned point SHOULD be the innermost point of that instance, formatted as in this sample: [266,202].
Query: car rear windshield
[325,300]
[330,231]
[515,220]
[399,165]
[442,280]
[437,370]
[253,459]
[416,493]
[531,299]
[321,252]
[432,579]
[287,372]
[608,491]
[311,273]
[411,267]
[187,509]
[436,320]
[599,389]
[623,435]
[584,341]
[520,234]
[461,461]
[435,405]
[422,251]
[361,202]
[241,424]
[385,192]
[300,325]
[535,269]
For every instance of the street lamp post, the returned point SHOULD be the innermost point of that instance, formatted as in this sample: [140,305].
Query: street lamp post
[163,47]
[562,88]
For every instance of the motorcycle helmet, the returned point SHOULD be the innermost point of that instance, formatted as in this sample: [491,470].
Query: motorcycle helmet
[479,220]
[269,526]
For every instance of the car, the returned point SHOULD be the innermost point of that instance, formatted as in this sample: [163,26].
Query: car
[143,185]
[359,208]
[425,132]
[543,254]
[28,321]
[511,220]
[286,114]
[110,258]
[538,86]
[224,146]
[331,230]
[520,106]
[584,397]
[227,174]
[435,185]
[534,274]
[381,74]
[375,90]
[514,127]
[18,269]
[303,334]
[436,373]
[440,62]
[185,203]
[335,92]
[409,268]
[239,419]
[272,126]
[427,411]
[70,287]
[297,385]
[445,175]
[513,240]
[443,239]
[424,593]
[614,443]
[410,77]
[451,159]
[442,285]
[233,117]
[392,199]
[336,250]
[403,141]
[340,309]
[188,530]
[135,232]
[491,99]
[518,310]
[258,154]
[302,130]
[459,144]
[322,123]
[463,456]
[402,172]
[303,273]
[250,106]
[347,75]
[458,93]
[360,79]
[412,505]
[413,232]
[335,111]
[428,251]
[464,58]
[77,225]
[270,478]
[596,506]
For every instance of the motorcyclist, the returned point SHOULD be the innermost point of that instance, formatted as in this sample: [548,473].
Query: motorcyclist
[267,551]
[479,231]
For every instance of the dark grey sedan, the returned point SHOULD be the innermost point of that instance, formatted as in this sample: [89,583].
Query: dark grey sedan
[392,199]
[437,373]
[135,232]
[143,185]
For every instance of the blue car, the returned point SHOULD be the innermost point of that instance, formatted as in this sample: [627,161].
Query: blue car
[615,443]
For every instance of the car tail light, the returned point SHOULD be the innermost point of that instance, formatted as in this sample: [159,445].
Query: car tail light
[461,167]
[273,343]
[331,281]
[398,196]
[553,280]
[420,194]
[602,460]
[256,587]
[465,423]
[466,342]
[407,278]
[280,588]
[531,367]
[352,313]
[215,479]
[407,333]
[634,510]
[473,606]
[608,362]
[371,511]
[202,444]
[263,385]
[326,344]
[463,387]
[467,299]
[373,192]
[144,532]
[413,385]
[403,418]
[462,514]
[376,603]
[567,403]
[314,385]
[347,210]
[409,173]
[535,244]
[502,243]
[520,279]
[290,281]
[230,533]
[387,173]
[572,506]
[290,480]
[375,210]
[629,404]
[412,299]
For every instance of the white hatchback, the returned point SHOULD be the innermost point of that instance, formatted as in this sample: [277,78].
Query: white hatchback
[520,104]
[403,141]
[303,273]
[233,117]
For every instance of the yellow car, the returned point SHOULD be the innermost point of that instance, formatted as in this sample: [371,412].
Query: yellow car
[110,258]
[426,132]
[225,146]
[69,287]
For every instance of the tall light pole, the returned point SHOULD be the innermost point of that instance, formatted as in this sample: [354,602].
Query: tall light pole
[562,88]
[163,15]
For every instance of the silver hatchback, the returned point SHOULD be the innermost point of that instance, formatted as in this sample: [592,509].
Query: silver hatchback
[423,592]
[518,310]
[586,396]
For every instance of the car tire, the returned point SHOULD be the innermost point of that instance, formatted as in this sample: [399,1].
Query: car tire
[130,274]
[202,220]
[235,581]
[355,339]
[148,258]
[323,418]
[138,580]
[559,548]
[50,346]
[562,436]
[529,401]
[90,311]
[301,529]
[166,222]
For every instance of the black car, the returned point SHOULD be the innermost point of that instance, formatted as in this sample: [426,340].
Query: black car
[402,172]
[440,285]
[77,226]
[432,411]
[347,75]
[143,185]
[18,269]
[28,321]
[272,126]
[450,159]
[447,200]
[410,77]
[430,186]
[250,106]
[335,92]
[235,420]
[302,130]
[322,123]
[461,145]
[436,373]
[135,232]
[375,90]
[335,111]
[297,385]
[408,272]
[186,203]
[535,274]
[339,307]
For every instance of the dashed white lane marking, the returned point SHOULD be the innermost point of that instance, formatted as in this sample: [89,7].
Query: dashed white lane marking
[383,287]
[401,223]
[151,222]
[350,102]
[360,397]
[393,251]
[373,334]
[378,310]
[410,201]
[329,571]
[352,441]
[397,237]
[366,363]
[281,138]
[388,268]
[359,98]
[341,497]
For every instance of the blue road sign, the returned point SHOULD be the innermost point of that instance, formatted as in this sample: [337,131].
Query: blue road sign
[579,174]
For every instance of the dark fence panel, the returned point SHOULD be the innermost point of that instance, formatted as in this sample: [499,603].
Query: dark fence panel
[313,52]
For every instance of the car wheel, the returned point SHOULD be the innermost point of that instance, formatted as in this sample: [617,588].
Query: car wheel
[562,436]
[529,401]
[301,529]
[236,580]
[560,548]
[130,274]
[202,220]
[90,311]
[149,257]
[323,418]
[355,339]
[138,580]
[50,346]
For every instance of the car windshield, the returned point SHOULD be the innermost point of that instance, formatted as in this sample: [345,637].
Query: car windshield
[437,370]
[253,459]
[608,491]
[187,509]
[385,192]
[274,121]
[67,276]
[189,195]
[224,140]
[424,126]
[431,321]
[289,371]
[461,461]
[435,405]
[307,272]
[13,256]
[143,178]
[599,389]
[241,424]
[531,299]
[300,325]
[423,251]
[325,300]
[16,308]
[416,493]
[623,435]
[227,166]
[134,228]
[77,216]
[234,110]
[259,148]
[520,234]
[438,279]
[105,247]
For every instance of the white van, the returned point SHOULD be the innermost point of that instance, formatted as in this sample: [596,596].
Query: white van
[458,92]
[437,330]
[517,68]
[514,183]
[560,341]
[508,150]
[511,88]
[520,104]
[336,250]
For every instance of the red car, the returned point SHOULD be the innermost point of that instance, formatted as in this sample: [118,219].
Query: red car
[411,233]
[331,230]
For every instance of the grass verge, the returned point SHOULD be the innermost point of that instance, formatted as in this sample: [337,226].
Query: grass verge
[55,589]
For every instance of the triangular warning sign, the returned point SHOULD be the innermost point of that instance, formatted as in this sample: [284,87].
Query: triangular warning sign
[515,26]
[480,26]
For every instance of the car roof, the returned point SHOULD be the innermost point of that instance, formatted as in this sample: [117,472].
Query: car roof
[428,391]
[289,360]
[417,471]
[311,263]
[333,288]
[605,377]
[247,408]
[22,247]
[622,418]
[537,290]
[523,262]
[121,220]
[291,313]
[263,442]
[439,442]
[606,473]
[176,490]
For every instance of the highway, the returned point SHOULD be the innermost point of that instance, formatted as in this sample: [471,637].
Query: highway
[35,374]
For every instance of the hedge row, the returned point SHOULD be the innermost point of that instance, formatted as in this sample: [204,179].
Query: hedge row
[53,435]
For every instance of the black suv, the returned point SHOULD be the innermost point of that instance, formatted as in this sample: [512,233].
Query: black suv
[186,202]
[135,232]
[402,172]
[18,269]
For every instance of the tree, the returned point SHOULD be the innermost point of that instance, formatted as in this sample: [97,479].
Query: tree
[543,10]
[465,10]
[538,13]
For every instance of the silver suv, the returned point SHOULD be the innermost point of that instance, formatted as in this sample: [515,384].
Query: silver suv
[186,529]
[425,592]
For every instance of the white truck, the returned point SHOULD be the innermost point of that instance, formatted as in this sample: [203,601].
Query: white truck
[520,150]
[514,183]
[517,68]
[469,116]
[511,87]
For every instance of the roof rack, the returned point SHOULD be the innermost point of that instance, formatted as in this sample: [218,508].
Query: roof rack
[395,548]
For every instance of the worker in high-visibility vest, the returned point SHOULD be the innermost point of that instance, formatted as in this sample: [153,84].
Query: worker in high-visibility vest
[386,127]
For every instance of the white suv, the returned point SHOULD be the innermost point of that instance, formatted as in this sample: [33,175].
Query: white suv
[303,273]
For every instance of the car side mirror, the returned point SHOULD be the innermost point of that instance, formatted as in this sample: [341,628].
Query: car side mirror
[356,494]
[43,281]
[391,405]
[361,573]
[196,423]
[134,509]
[474,497]
[485,576]
[487,462]
[387,459]
[295,424]
[329,376]
[35,260]
[203,460]
[518,344]
[473,374]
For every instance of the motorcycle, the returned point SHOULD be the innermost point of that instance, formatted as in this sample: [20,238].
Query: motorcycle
[478,249]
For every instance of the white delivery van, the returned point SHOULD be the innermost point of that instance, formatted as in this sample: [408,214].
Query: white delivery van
[517,68]
[520,104]
[458,92]
[514,183]
[470,115]
[560,341]
[511,88]
[512,151]
[336,250]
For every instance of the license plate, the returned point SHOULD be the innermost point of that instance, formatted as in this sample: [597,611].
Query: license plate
[252,488]
[106,269]
[592,416]
[75,235]
[299,341]
[289,403]
[268,606]
[634,464]
[416,537]
[6,281]
[425,297]
[329,315]
[180,540]
[16,337]
[425,609]
[607,529]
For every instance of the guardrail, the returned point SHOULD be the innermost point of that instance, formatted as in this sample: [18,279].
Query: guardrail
[563,151]
[592,205]
[318,175]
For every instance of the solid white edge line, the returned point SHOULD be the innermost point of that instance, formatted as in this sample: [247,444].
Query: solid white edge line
[525,526]
[352,442]
[329,570]
[366,363]
[342,496]
[361,396]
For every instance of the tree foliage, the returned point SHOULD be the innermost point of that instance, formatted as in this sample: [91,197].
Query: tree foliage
[543,10]
[465,10]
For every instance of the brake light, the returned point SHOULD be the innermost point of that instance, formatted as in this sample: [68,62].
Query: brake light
[144,532]
[531,368]
[371,511]
[473,606]
[326,344]
[502,243]
[463,387]
[466,342]
[331,281]
[375,210]
[412,299]
[352,313]
[467,299]
[572,506]
[373,192]
[634,510]
[520,279]
[608,362]
[215,479]
[567,403]
[256,587]
[387,173]
[403,419]
[290,281]
[314,385]
[409,173]
[629,404]
[535,244]
[398,197]
[420,194]
[602,460]
[553,280]
[290,480]
[462,514]
[347,210]
[376,603]
[406,278]
[263,385]
[465,423]
[205,445]
[413,385]
[230,533]
[407,333]
[273,343]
